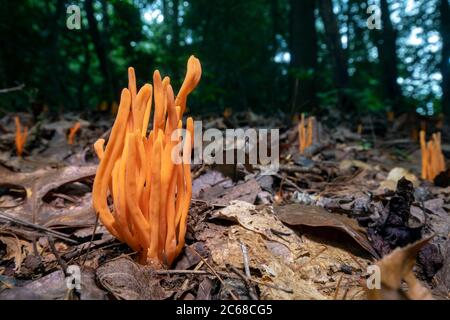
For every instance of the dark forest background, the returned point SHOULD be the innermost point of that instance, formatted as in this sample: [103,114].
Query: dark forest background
[260,55]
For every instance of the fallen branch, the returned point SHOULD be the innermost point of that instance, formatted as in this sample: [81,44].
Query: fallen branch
[37,227]
[16,88]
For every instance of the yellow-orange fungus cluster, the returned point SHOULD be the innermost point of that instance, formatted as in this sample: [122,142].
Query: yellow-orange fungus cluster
[305,133]
[72,132]
[433,161]
[151,193]
[21,137]
[390,116]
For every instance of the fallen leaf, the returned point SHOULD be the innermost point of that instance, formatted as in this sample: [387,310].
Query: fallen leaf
[317,217]
[16,249]
[53,287]
[127,280]
[394,268]
[218,189]
[277,255]
[38,184]
[395,175]
[204,291]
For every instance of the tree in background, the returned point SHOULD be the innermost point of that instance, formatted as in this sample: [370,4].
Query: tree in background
[338,55]
[100,40]
[303,49]
[444,10]
[385,41]
[263,55]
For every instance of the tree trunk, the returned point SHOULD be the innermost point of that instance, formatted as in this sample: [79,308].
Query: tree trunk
[56,81]
[175,43]
[100,49]
[386,46]
[303,49]
[340,63]
[274,15]
[444,11]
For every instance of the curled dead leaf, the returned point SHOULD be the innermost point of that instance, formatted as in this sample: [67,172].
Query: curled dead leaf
[317,217]
[397,267]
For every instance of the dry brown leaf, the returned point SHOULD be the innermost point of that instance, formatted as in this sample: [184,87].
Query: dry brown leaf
[215,187]
[313,216]
[283,259]
[53,287]
[129,281]
[16,249]
[37,184]
[394,268]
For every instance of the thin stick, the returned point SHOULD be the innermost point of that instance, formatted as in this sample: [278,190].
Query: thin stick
[251,289]
[273,286]
[58,257]
[90,241]
[345,293]
[289,182]
[246,280]
[215,273]
[245,256]
[16,88]
[314,257]
[337,287]
[223,274]
[38,227]
[185,284]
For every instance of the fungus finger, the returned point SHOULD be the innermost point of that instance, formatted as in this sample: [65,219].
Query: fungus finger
[140,108]
[424,154]
[148,110]
[191,80]
[188,183]
[140,225]
[155,198]
[104,170]
[99,148]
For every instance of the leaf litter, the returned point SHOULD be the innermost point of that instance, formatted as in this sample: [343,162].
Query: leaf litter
[310,230]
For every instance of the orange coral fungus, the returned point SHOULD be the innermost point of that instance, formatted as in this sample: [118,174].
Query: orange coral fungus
[305,135]
[73,132]
[151,190]
[21,137]
[433,161]
[359,129]
[390,116]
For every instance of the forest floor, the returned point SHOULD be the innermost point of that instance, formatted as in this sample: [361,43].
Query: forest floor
[311,230]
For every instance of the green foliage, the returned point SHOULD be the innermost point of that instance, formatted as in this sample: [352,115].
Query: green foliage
[236,41]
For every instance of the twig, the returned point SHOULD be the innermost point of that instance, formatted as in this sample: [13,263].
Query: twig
[58,257]
[90,241]
[289,182]
[345,293]
[37,227]
[313,257]
[66,197]
[208,203]
[223,274]
[214,272]
[245,256]
[246,280]
[251,288]
[16,88]
[299,169]
[185,284]
[337,287]
[70,256]
[357,262]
